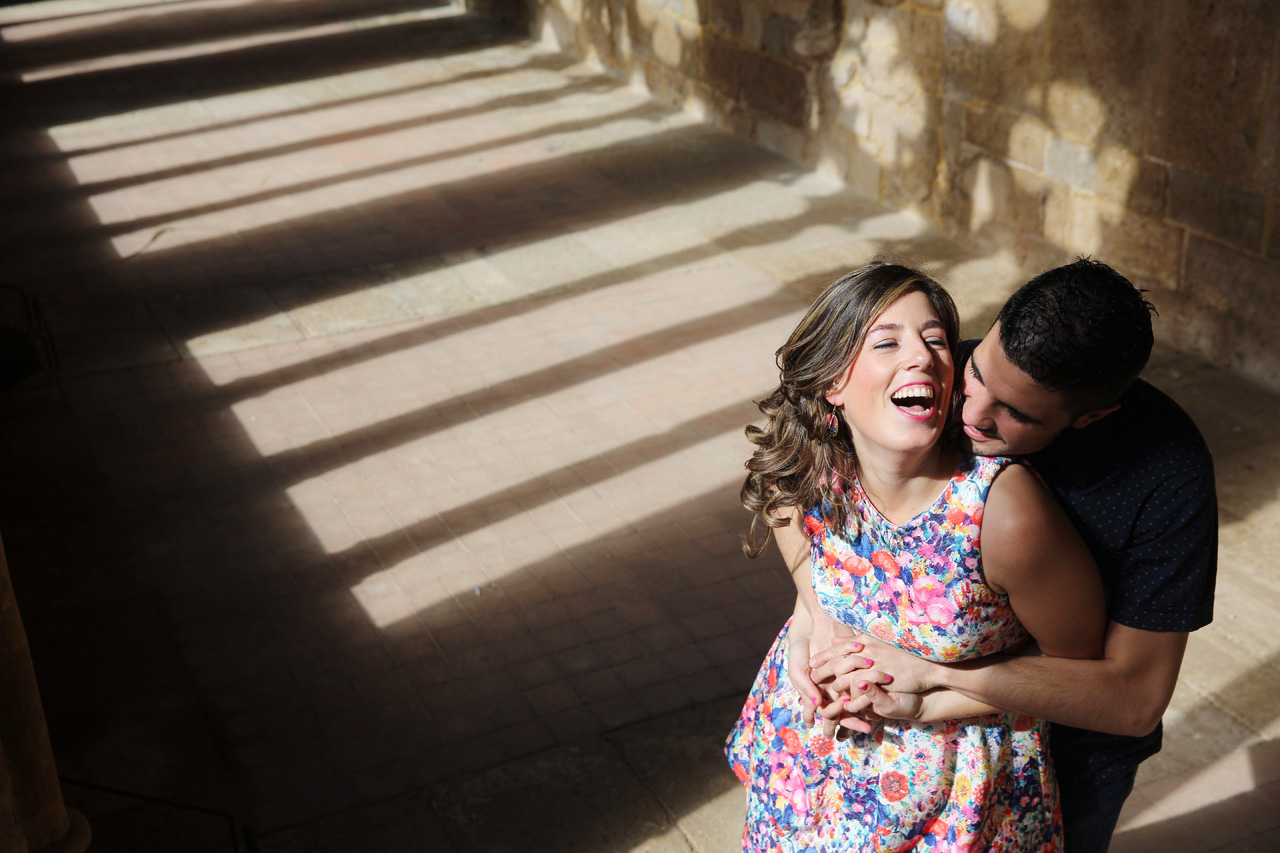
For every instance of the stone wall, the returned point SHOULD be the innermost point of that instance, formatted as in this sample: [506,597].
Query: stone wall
[1144,132]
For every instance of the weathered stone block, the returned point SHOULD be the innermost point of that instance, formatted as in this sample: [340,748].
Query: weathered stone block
[952,127]
[1071,162]
[1189,323]
[1136,182]
[664,83]
[674,43]
[856,167]
[644,13]
[801,33]
[721,59]
[911,152]
[1075,111]
[1209,86]
[814,41]
[865,20]
[776,89]
[888,72]
[924,38]
[987,187]
[1056,213]
[724,15]
[726,113]
[1006,203]
[753,18]
[1254,355]
[675,7]
[1020,137]
[821,35]
[857,106]
[1036,253]
[788,141]
[1116,171]
[606,38]
[766,84]
[1232,281]
[1268,173]
[989,58]
[1135,245]
[1036,200]
[779,31]
[1216,208]
[1273,236]
[1101,58]
[794,9]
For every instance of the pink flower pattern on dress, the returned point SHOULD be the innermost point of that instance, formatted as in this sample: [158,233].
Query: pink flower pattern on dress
[982,783]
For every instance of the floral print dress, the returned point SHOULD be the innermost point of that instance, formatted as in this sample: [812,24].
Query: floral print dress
[976,784]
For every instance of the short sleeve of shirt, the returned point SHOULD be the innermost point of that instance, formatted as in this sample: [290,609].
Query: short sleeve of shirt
[1139,487]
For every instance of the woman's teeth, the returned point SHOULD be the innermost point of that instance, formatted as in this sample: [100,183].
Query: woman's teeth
[914,396]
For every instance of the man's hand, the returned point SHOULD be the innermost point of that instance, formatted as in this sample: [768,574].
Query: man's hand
[870,704]
[841,667]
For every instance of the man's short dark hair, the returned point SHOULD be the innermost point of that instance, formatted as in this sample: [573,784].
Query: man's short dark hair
[1082,329]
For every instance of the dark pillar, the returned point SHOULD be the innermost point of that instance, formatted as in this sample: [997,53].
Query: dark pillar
[33,818]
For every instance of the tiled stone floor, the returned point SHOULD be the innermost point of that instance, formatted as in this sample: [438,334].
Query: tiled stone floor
[388,478]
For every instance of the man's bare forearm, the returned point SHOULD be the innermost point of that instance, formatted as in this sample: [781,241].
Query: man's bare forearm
[1124,693]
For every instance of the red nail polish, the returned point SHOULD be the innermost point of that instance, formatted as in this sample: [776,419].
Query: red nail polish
[844,699]
[862,686]
[869,662]
[888,679]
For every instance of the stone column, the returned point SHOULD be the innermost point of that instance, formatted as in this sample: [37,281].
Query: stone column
[33,818]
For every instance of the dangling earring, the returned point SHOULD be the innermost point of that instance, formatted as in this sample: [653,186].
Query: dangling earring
[833,424]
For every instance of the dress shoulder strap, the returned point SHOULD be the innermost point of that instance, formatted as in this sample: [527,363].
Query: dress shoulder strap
[978,473]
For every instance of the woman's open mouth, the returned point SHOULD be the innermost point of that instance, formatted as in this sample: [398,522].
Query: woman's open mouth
[915,401]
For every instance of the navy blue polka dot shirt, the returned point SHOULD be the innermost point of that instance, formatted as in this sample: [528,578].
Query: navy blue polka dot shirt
[1138,486]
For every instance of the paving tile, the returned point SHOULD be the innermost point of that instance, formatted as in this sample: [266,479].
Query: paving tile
[611,809]
[694,743]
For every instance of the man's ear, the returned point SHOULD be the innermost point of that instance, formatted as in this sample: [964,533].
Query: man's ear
[1089,417]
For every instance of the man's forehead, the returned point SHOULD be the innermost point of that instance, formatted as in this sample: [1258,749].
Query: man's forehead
[1009,383]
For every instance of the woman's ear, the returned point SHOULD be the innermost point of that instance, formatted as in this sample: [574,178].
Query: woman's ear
[834,392]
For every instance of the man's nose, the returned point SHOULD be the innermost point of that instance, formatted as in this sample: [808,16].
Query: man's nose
[977,411]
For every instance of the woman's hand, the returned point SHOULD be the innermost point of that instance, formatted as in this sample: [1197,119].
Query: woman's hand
[869,704]
[841,665]
[806,634]
[799,643]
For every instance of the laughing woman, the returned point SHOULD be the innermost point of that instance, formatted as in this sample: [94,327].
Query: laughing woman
[890,529]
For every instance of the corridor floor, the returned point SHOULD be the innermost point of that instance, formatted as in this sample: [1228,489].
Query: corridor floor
[381,492]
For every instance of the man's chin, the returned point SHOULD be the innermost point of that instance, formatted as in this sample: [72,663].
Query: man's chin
[983,446]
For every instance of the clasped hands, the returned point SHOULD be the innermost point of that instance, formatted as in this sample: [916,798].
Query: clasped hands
[846,685]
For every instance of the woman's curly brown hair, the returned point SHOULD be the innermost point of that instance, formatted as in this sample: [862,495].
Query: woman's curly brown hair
[796,463]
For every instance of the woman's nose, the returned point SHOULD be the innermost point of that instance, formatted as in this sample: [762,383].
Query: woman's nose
[921,354]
